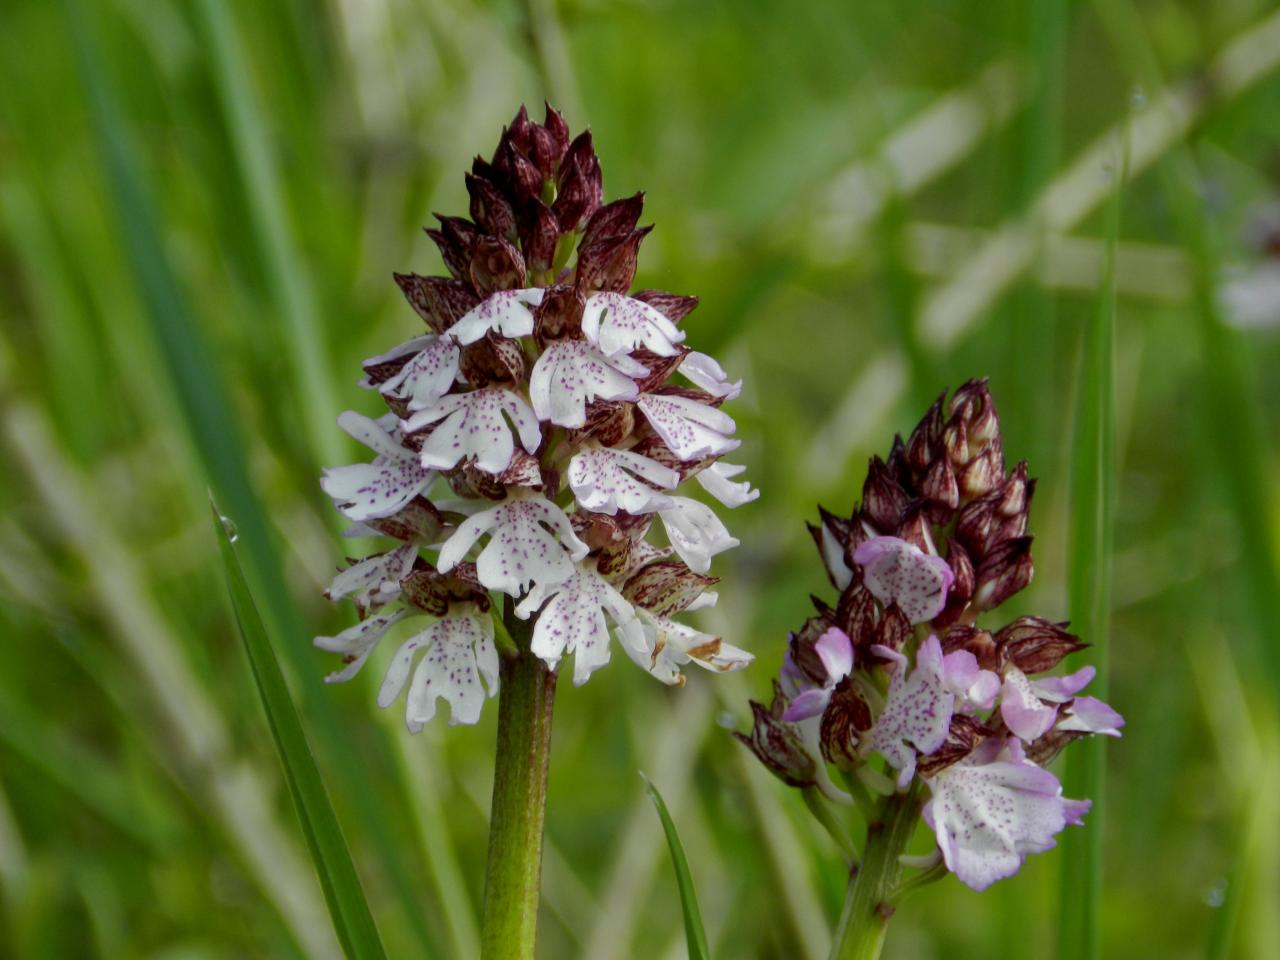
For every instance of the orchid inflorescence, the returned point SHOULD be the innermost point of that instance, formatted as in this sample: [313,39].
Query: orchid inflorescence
[899,668]
[540,413]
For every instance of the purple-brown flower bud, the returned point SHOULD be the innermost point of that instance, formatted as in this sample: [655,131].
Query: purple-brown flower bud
[490,209]
[883,499]
[456,239]
[614,220]
[579,184]
[1003,572]
[439,301]
[925,444]
[846,719]
[610,263]
[856,616]
[496,265]
[539,233]
[777,745]
[1035,645]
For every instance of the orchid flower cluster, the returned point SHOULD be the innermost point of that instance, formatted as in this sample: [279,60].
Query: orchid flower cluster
[534,433]
[900,669]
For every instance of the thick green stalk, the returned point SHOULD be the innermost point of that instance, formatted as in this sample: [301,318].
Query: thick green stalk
[525,704]
[864,921]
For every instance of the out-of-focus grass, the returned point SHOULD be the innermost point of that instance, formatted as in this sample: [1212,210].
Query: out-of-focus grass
[793,154]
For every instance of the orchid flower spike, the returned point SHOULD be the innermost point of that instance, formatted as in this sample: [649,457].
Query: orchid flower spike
[898,687]
[533,432]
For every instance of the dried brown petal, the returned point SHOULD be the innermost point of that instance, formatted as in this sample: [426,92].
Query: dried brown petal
[559,315]
[433,592]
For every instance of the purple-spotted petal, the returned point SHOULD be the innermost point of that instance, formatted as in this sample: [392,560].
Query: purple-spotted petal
[474,426]
[522,547]
[459,652]
[375,581]
[571,373]
[507,312]
[896,571]
[357,642]
[992,809]
[691,429]
[427,377]
[917,711]
[618,324]
[573,621]
[604,480]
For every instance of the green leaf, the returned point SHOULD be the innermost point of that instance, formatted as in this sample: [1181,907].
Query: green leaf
[1089,590]
[697,937]
[351,917]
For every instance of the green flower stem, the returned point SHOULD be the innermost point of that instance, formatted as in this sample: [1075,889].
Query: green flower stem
[526,700]
[864,921]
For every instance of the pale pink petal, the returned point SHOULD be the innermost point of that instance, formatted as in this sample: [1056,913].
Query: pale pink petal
[807,703]
[1090,715]
[917,712]
[963,677]
[835,651]
[992,809]
[1063,688]
[1024,713]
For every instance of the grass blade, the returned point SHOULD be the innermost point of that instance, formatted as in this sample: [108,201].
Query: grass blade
[1089,589]
[696,936]
[213,432]
[350,911]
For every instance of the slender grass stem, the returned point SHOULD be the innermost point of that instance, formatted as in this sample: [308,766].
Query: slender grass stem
[512,878]
[864,921]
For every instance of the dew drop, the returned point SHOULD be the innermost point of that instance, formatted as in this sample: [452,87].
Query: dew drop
[1216,895]
[229,525]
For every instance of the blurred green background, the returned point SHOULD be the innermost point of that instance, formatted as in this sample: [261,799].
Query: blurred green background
[201,205]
